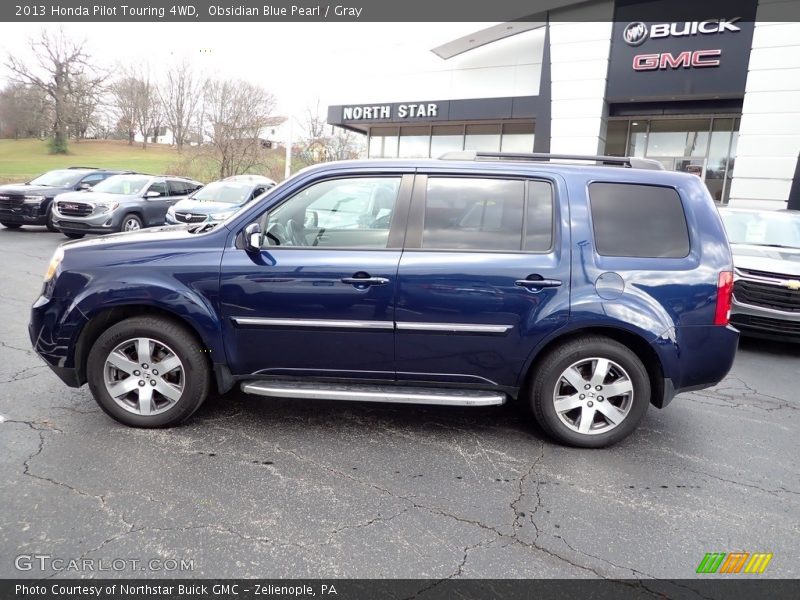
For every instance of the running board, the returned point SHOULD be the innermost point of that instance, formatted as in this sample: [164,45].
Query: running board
[374,393]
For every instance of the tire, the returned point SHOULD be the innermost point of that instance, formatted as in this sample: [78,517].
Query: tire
[11,225]
[130,222]
[49,222]
[613,417]
[184,386]
[73,236]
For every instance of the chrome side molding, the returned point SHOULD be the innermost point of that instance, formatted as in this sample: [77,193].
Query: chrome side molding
[350,324]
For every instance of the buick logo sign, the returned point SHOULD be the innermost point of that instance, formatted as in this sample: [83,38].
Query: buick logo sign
[635,33]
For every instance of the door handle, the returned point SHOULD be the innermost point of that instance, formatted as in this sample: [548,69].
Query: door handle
[364,281]
[538,284]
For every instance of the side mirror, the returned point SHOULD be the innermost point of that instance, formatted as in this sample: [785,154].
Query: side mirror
[252,237]
[152,194]
[85,186]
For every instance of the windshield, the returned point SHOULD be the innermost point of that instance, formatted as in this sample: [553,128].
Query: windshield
[122,184]
[763,228]
[227,192]
[60,178]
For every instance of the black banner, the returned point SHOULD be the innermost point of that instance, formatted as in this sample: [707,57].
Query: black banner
[732,588]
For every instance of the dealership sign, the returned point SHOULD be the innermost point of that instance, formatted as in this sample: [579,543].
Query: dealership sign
[679,60]
[390,112]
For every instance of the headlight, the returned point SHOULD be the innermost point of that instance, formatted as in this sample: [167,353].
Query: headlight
[33,199]
[171,211]
[58,256]
[222,216]
[104,207]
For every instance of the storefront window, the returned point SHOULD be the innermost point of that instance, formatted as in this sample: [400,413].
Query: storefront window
[484,138]
[414,142]
[517,137]
[705,147]
[446,138]
[383,142]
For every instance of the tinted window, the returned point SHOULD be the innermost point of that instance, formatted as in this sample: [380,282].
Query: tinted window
[160,187]
[339,213]
[178,188]
[638,220]
[94,179]
[487,214]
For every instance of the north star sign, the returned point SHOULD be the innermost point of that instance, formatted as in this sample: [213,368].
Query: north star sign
[384,111]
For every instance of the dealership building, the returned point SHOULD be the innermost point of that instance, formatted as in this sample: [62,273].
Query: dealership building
[716,94]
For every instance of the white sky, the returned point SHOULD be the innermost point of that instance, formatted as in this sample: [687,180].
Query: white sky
[297,62]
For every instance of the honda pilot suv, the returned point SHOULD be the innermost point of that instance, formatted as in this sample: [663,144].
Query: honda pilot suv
[586,291]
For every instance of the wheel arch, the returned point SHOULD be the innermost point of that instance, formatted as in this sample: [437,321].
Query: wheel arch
[640,346]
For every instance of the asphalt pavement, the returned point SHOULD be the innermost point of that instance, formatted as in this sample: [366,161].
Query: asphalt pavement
[258,487]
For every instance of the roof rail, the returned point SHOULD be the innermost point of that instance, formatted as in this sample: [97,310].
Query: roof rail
[82,167]
[614,161]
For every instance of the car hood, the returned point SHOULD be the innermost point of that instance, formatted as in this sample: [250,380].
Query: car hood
[21,188]
[783,261]
[204,207]
[92,197]
[151,234]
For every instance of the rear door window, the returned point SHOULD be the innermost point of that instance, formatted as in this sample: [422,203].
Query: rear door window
[634,220]
[468,213]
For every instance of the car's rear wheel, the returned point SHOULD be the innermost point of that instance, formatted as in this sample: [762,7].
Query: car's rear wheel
[148,372]
[73,236]
[130,223]
[10,225]
[590,392]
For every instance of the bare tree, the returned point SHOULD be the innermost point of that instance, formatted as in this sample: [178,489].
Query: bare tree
[124,93]
[148,106]
[60,62]
[323,142]
[236,113]
[83,106]
[180,96]
[24,112]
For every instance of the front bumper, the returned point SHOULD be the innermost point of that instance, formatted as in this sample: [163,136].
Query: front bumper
[759,321]
[103,223]
[27,214]
[53,339]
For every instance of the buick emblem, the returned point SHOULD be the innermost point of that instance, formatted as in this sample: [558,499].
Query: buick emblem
[188,216]
[635,33]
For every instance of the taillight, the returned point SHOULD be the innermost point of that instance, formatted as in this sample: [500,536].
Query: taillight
[724,298]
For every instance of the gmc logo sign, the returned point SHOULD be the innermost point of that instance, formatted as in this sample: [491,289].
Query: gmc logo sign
[683,60]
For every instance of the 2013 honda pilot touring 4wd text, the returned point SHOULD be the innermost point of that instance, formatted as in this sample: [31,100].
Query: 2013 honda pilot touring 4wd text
[587,291]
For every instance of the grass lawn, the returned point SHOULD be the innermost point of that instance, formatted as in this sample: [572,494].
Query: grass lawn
[21,160]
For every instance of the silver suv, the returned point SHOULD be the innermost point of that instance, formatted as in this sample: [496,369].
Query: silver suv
[120,203]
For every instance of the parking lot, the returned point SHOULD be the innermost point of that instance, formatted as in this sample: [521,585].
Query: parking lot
[255,487]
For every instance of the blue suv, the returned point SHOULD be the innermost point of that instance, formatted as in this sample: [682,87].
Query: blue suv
[586,291]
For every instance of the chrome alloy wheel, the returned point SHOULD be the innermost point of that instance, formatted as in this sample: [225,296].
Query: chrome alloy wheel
[144,376]
[131,225]
[593,395]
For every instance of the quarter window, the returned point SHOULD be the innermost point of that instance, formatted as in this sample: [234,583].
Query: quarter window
[488,214]
[634,220]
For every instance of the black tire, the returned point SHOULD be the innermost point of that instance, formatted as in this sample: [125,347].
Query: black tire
[130,218]
[11,225]
[73,236]
[197,382]
[49,222]
[549,374]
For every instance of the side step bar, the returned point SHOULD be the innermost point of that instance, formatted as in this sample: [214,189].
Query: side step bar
[374,393]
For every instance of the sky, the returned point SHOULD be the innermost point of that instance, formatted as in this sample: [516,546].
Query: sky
[298,62]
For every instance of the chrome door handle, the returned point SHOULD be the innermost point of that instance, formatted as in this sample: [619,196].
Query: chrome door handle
[365,280]
[537,284]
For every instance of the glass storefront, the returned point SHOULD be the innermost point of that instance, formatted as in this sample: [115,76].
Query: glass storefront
[434,140]
[704,146]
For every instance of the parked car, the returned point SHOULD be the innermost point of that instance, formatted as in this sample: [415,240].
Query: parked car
[120,203]
[766,257]
[218,200]
[587,292]
[29,203]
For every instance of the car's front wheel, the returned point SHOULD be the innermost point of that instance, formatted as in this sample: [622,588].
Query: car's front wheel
[590,392]
[148,372]
[130,223]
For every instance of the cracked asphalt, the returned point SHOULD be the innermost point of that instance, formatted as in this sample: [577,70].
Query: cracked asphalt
[255,487]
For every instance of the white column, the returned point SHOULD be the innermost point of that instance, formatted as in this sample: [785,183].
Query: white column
[769,134]
[579,53]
